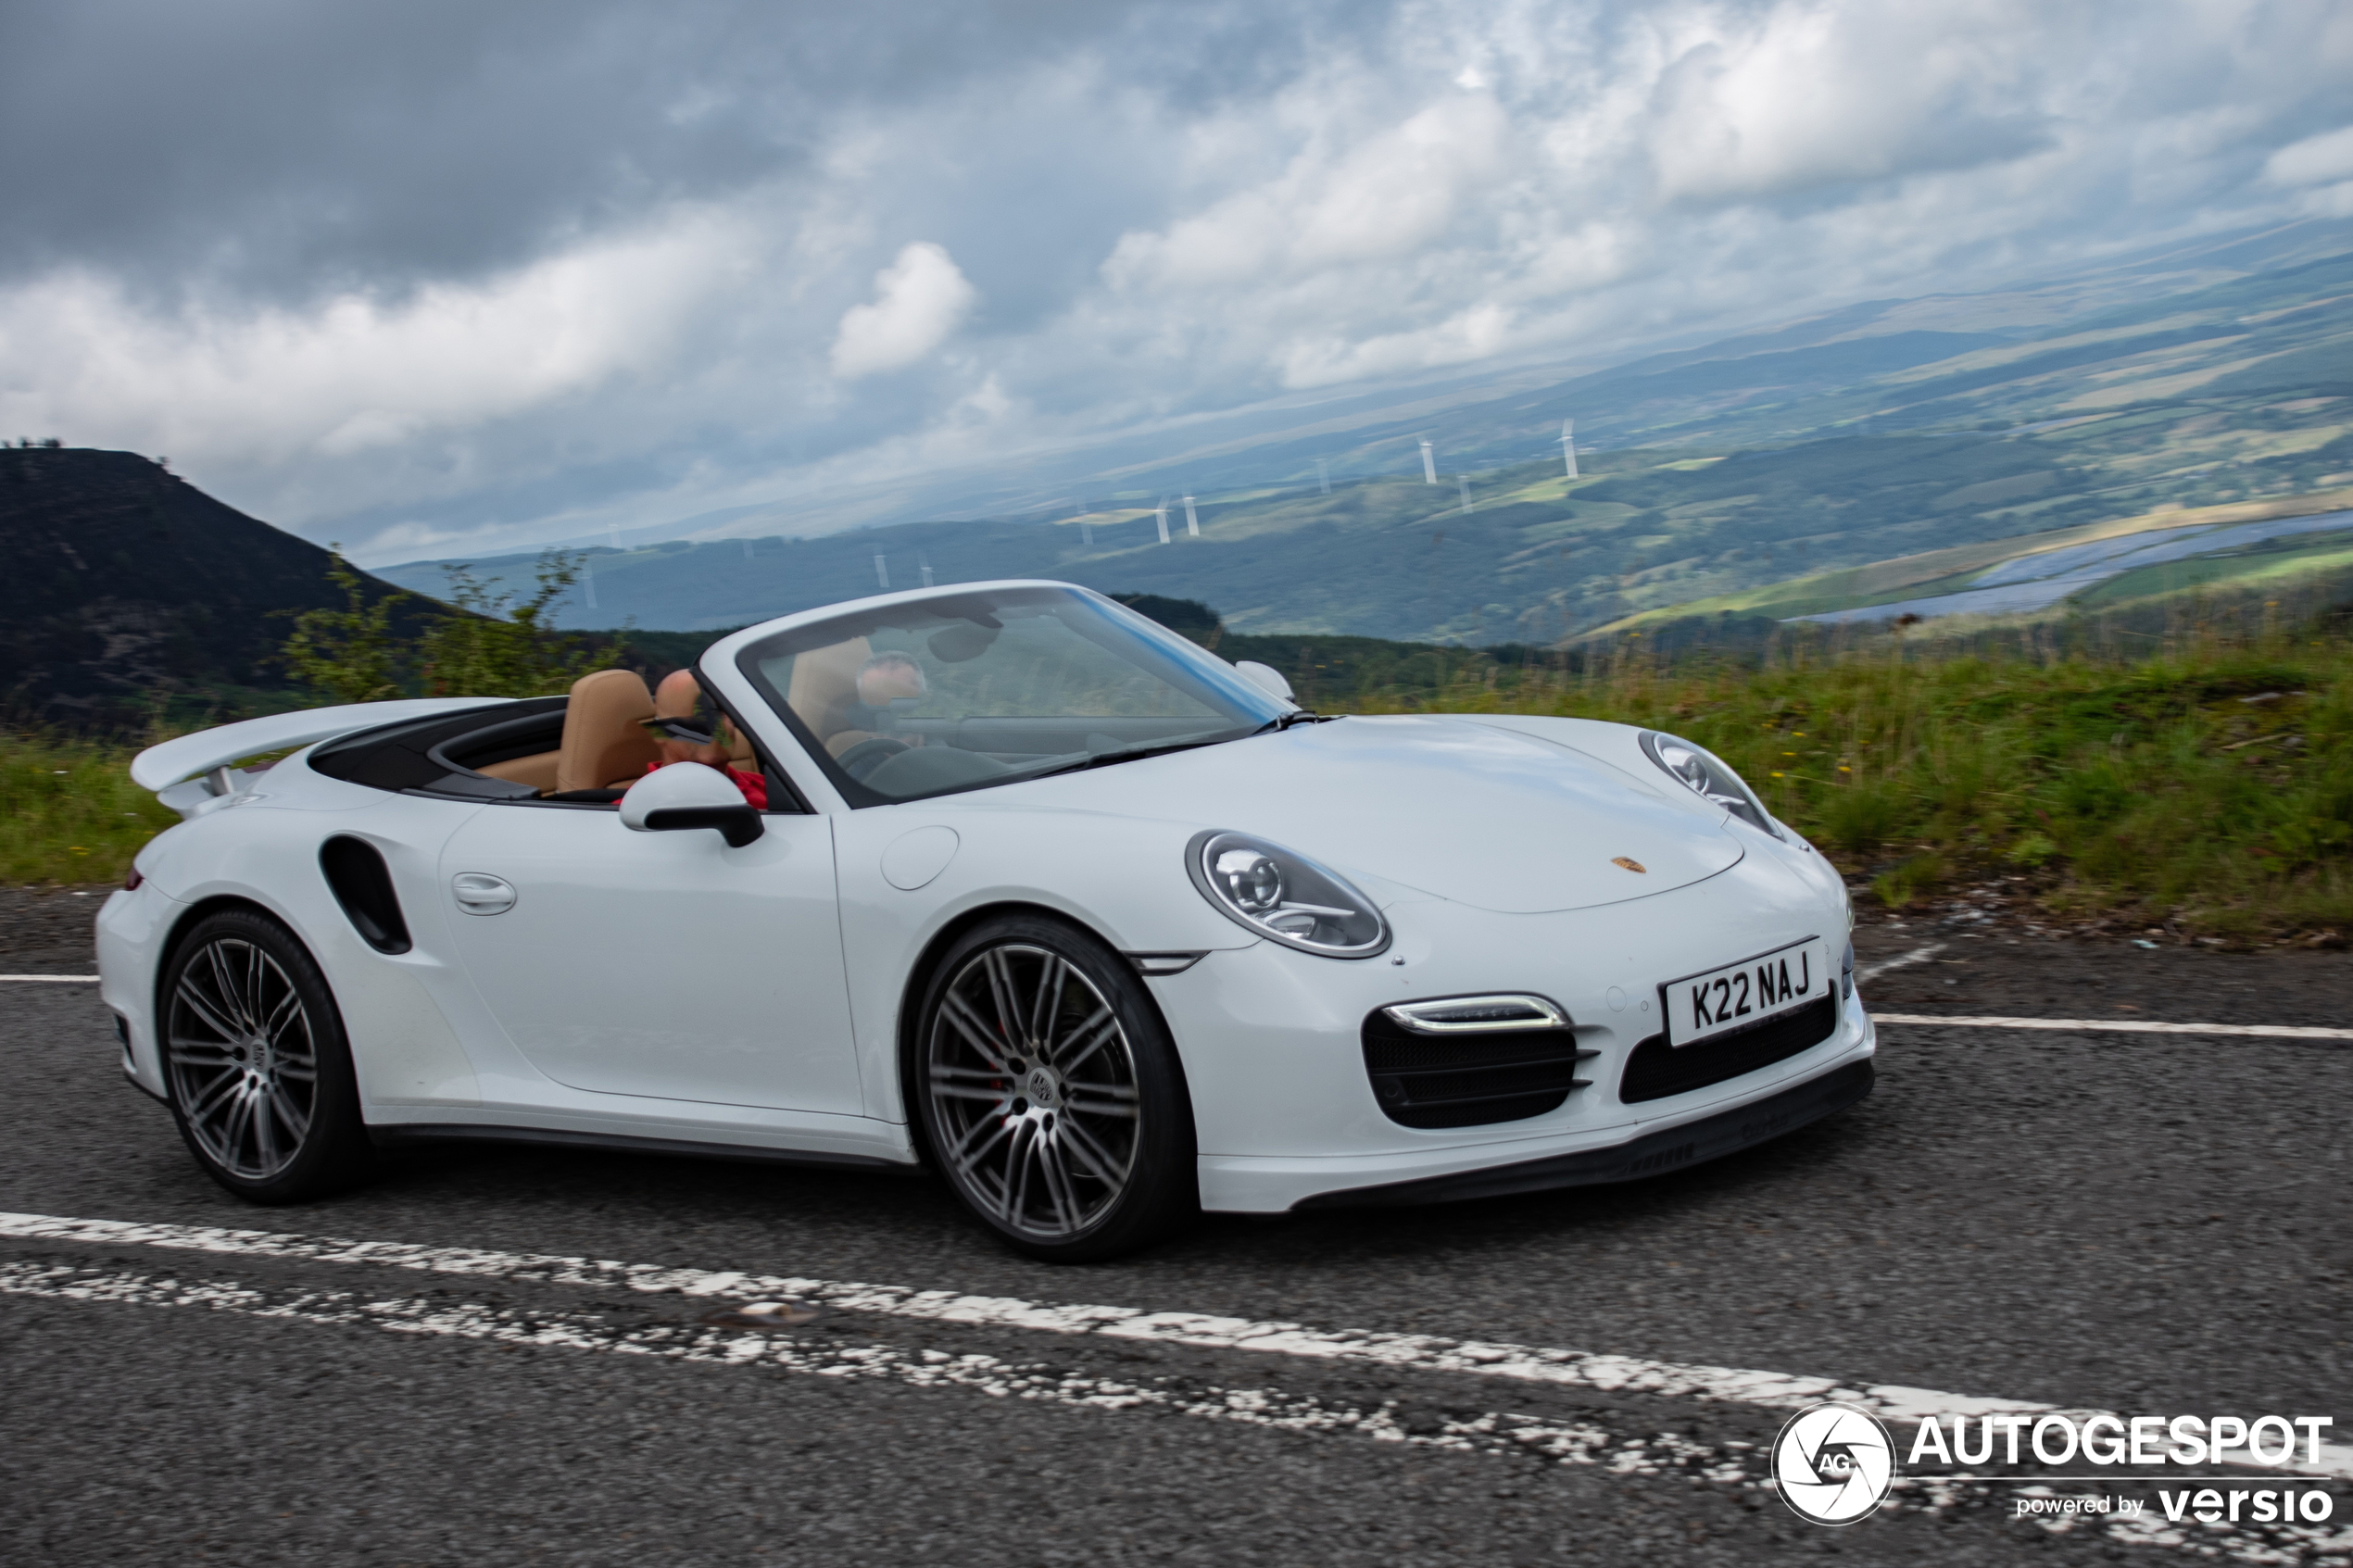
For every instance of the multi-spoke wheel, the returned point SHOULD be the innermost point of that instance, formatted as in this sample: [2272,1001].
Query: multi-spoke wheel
[259,1077]
[1051,1096]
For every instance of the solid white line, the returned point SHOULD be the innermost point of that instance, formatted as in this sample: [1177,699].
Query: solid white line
[1918,954]
[1419,1352]
[54,979]
[2123,1026]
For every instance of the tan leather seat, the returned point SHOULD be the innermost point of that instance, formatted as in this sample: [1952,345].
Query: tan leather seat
[606,745]
[824,689]
[538,770]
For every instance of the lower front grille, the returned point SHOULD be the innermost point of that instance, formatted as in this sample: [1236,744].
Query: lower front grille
[1468,1080]
[1655,1070]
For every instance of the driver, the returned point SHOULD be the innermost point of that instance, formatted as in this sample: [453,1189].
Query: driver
[864,734]
[887,678]
[683,739]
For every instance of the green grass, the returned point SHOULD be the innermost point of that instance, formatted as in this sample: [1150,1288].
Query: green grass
[72,813]
[2145,787]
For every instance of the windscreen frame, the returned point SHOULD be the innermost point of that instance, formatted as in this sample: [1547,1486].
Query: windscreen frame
[1194,663]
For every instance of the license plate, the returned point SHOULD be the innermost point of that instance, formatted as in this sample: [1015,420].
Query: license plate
[1700,1007]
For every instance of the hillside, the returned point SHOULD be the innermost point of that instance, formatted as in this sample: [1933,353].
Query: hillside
[2225,376]
[131,593]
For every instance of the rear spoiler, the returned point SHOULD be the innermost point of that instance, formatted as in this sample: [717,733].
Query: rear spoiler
[171,768]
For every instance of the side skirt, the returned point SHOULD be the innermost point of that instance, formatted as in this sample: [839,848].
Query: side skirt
[410,1134]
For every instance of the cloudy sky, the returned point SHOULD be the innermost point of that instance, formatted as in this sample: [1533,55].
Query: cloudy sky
[441,276]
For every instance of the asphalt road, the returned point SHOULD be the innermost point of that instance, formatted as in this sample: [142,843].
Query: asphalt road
[2092,1220]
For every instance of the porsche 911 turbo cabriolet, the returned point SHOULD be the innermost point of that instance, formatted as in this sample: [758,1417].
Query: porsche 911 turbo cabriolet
[1000,879]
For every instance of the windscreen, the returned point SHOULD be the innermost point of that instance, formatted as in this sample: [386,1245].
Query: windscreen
[983,687]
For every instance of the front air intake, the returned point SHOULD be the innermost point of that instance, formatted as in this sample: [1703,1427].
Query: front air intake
[1443,1064]
[1655,1070]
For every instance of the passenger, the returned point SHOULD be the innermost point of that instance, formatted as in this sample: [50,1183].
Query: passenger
[685,738]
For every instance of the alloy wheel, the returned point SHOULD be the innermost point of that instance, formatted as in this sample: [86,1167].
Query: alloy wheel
[243,1058]
[1032,1088]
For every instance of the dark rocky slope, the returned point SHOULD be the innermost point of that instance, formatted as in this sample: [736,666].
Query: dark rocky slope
[125,589]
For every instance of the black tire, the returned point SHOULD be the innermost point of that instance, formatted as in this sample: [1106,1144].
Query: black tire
[255,1063]
[1049,1095]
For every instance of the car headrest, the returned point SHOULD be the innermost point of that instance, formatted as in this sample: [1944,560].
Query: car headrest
[605,738]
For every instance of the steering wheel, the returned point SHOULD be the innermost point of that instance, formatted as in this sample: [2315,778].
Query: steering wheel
[870,754]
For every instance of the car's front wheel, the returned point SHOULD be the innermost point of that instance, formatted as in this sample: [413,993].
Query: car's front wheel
[258,1075]
[1051,1093]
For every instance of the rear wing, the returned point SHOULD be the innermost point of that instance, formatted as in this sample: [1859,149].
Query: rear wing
[192,773]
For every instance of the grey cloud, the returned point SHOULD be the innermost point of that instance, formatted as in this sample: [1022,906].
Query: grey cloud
[510,270]
[284,147]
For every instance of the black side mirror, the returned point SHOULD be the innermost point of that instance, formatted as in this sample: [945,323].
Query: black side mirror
[688,795]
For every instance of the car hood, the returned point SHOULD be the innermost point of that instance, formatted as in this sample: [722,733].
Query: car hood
[1450,807]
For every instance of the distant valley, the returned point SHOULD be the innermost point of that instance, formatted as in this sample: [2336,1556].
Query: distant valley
[2224,376]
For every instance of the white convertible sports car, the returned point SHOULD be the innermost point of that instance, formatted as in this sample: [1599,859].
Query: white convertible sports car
[1002,879]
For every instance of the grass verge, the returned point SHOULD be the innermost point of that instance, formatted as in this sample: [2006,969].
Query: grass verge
[72,813]
[2208,789]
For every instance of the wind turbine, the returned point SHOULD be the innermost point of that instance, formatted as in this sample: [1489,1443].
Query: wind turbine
[1569,444]
[1085,528]
[923,564]
[1192,523]
[882,574]
[1464,480]
[1429,465]
[1159,514]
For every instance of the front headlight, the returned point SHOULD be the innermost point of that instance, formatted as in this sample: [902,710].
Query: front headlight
[1705,775]
[1283,896]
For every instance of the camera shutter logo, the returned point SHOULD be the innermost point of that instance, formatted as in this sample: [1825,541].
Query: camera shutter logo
[1834,1464]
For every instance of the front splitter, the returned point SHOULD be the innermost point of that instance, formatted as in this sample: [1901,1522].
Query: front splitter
[1671,1148]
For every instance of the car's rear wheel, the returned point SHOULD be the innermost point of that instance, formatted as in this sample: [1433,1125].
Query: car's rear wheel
[1051,1096]
[256,1065]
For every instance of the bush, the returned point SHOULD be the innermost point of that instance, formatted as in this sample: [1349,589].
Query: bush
[487,646]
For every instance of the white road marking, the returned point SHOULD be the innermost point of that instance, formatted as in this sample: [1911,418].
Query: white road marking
[2123,1026]
[1491,1433]
[1918,954]
[1414,1352]
[52,978]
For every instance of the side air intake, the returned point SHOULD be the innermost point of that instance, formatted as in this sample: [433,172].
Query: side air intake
[362,884]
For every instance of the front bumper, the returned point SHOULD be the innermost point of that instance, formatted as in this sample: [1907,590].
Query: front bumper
[1527,1156]
[1285,1111]
[1670,1148]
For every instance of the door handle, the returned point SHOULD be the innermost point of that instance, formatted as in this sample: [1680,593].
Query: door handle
[479,893]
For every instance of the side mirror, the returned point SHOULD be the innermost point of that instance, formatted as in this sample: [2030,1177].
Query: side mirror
[1265,677]
[688,795]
